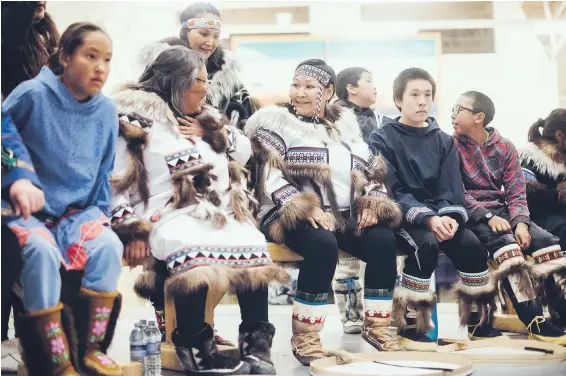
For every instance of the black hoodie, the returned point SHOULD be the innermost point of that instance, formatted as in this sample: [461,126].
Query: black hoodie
[424,172]
[367,119]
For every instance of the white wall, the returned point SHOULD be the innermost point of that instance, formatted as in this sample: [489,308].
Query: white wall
[131,25]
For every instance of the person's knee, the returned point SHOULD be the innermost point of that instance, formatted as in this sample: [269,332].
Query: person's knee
[40,250]
[472,252]
[111,248]
[541,239]
[429,247]
[380,245]
[323,247]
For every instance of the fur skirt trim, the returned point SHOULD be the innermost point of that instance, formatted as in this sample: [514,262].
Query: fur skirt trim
[219,278]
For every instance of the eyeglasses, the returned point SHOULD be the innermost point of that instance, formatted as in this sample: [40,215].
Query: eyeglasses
[457,109]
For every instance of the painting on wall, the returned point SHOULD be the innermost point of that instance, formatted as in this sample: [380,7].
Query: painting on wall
[268,63]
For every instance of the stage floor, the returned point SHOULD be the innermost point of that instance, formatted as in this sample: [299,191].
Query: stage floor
[228,320]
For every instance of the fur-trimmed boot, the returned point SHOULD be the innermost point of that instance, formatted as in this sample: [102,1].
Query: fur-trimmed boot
[309,314]
[44,345]
[556,301]
[255,340]
[412,312]
[348,295]
[476,304]
[96,315]
[378,305]
[511,263]
[198,355]
[530,312]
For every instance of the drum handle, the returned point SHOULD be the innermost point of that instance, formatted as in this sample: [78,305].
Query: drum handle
[347,357]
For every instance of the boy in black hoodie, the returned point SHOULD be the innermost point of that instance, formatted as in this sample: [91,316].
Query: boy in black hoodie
[425,178]
[355,90]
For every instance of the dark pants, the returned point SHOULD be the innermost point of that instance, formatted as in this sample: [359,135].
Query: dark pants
[190,308]
[540,238]
[556,225]
[421,246]
[11,265]
[376,246]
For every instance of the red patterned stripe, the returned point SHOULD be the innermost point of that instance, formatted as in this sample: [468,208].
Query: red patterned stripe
[507,255]
[548,256]
[307,320]
[378,314]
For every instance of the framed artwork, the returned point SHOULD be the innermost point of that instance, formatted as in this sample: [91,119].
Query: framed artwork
[268,63]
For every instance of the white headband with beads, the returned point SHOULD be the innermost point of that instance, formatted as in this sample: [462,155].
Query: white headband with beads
[203,23]
[314,72]
[322,77]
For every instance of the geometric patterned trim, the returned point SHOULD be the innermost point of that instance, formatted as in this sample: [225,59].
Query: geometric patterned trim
[415,211]
[314,72]
[307,155]
[183,159]
[271,139]
[358,164]
[137,120]
[507,253]
[548,254]
[454,209]
[414,284]
[377,193]
[474,280]
[281,196]
[195,256]
[121,213]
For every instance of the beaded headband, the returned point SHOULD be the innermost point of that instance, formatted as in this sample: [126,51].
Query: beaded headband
[203,23]
[314,72]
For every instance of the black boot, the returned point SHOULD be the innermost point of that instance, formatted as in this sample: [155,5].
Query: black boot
[556,301]
[531,314]
[414,340]
[199,356]
[255,342]
[476,332]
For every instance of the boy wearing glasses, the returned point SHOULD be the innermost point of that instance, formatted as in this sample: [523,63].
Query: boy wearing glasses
[425,178]
[495,193]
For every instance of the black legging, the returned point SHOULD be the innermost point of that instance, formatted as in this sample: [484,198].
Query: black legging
[319,247]
[190,308]
[11,264]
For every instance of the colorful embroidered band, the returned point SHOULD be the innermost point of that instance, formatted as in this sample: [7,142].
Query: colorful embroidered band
[203,23]
[314,72]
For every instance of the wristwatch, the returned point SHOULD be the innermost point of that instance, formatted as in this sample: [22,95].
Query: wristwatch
[488,216]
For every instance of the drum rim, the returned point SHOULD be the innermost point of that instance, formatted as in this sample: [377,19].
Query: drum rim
[559,354]
[319,367]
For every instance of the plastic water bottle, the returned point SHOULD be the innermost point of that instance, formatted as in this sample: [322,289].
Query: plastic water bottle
[153,349]
[138,350]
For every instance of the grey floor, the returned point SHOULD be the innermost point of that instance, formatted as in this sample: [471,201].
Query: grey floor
[228,319]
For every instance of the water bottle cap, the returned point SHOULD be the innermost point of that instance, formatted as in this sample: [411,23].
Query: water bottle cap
[151,323]
[143,322]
